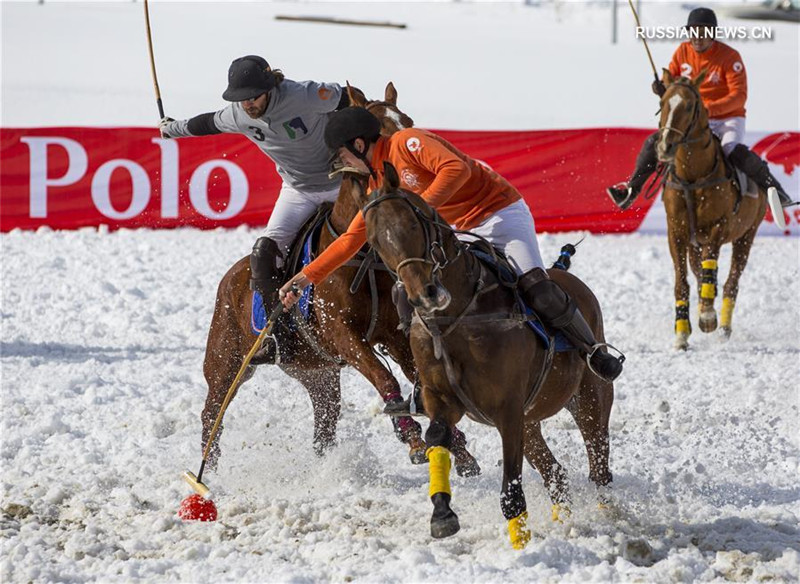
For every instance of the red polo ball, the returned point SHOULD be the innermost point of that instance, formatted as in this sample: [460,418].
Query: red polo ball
[196,508]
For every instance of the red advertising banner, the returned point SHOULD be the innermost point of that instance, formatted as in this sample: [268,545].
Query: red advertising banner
[67,178]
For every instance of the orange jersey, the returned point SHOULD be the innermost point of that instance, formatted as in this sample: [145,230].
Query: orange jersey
[724,90]
[462,190]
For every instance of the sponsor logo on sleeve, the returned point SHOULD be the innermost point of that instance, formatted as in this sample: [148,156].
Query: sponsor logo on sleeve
[324,93]
[737,67]
[413,144]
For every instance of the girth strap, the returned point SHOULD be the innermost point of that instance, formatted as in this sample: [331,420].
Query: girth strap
[432,326]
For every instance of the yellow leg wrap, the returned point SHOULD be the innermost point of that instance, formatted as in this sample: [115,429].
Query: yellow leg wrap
[709,264]
[518,531]
[682,318]
[726,314]
[709,291]
[559,512]
[439,469]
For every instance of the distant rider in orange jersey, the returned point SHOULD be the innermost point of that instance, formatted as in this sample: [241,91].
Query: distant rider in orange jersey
[724,93]
[467,195]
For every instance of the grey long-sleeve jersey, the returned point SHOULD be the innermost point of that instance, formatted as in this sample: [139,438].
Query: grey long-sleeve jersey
[291,131]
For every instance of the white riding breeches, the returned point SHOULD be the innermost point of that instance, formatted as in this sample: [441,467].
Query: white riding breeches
[292,209]
[513,231]
[730,132]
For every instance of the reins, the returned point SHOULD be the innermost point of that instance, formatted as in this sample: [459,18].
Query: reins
[433,324]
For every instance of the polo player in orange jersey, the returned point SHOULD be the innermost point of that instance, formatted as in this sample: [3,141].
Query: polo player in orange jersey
[724,93]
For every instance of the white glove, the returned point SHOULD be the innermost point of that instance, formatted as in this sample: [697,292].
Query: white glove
[162,126]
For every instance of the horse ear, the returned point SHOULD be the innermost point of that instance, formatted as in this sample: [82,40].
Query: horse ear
[391,181]
[356,96]
[390,95]
[700,77]
[667,77]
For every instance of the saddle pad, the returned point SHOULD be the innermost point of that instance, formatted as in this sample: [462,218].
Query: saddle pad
[258,313]
[504,272]
[500,268]
[563,344]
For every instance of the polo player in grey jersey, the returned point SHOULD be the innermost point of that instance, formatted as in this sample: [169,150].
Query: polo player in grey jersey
[286,119]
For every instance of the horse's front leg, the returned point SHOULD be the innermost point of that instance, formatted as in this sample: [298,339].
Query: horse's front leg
[439,437]
[678,244]
[741,251]
[708,287]
[512,499]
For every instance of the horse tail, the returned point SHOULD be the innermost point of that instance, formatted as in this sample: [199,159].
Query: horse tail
[565,257]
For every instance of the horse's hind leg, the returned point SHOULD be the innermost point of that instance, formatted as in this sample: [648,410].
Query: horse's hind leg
[324,389]
[359,353]
[591,409]
[741,251]
[541,458]
[466,465]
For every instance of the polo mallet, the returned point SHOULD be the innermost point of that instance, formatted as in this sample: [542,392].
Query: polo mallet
[153,61]
[196,481]
[644,40]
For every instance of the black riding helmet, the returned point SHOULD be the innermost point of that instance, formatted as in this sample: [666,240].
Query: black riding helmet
[249,77]
[701,17]
[350,123]
[347,124]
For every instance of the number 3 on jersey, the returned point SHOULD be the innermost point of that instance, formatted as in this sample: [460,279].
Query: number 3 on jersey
[258,134]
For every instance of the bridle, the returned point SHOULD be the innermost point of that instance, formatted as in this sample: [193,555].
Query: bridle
[692,121]
[432,227]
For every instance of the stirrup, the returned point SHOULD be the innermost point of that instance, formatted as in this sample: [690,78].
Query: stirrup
[265,347]
[596,347]
[775,205]
[624,202]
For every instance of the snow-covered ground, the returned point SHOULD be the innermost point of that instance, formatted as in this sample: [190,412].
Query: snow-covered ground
[103,334]
[103,339]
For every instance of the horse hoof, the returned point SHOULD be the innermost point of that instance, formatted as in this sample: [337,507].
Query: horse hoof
[417,456]
[444,526]
[708,321]
[468,468]
[725,333]
[681,341]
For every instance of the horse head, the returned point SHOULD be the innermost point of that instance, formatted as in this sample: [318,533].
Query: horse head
[411,239]
[392,119]
[682,113]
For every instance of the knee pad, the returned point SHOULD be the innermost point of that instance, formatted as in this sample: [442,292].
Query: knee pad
[264,259]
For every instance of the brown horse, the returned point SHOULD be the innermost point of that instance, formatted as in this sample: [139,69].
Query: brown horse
[343,329]
[477,356]
[704,208]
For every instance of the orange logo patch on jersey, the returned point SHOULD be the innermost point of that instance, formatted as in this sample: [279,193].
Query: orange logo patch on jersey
[324,93]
